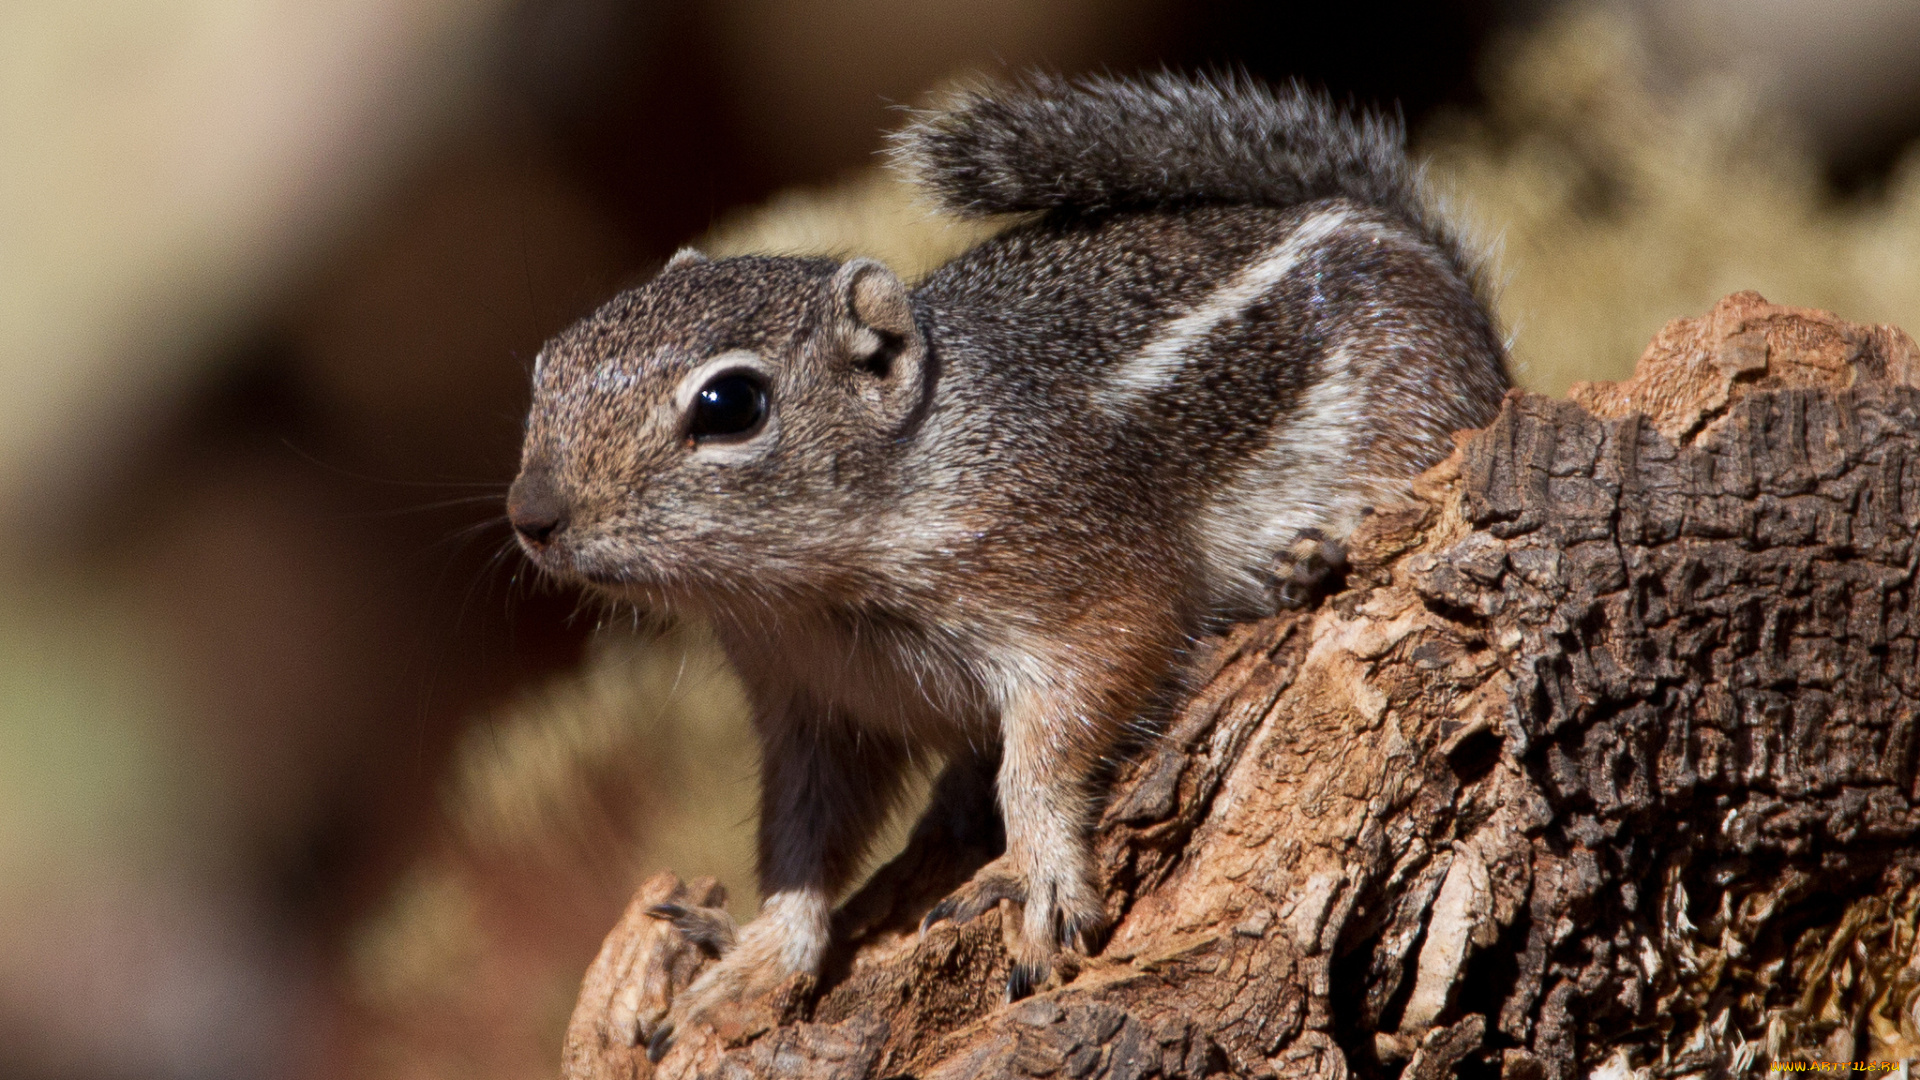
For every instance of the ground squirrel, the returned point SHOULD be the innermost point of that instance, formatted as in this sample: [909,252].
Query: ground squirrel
[985,516]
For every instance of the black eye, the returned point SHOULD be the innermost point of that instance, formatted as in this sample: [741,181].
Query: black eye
[731,404]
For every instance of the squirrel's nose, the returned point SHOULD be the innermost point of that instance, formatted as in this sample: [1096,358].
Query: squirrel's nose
[535,507]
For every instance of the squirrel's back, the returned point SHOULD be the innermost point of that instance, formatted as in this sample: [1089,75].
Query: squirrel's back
[1244,285]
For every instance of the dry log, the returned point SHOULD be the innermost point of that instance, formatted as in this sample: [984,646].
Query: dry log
[1602,762]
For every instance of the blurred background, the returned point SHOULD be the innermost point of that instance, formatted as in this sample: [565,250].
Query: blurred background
[300,775]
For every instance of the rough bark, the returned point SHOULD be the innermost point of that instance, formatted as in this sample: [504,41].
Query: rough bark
[1603,760]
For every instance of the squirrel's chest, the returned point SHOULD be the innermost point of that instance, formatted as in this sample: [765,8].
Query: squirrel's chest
[891,678]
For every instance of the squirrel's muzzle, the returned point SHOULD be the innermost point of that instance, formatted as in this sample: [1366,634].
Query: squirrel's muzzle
[536,508]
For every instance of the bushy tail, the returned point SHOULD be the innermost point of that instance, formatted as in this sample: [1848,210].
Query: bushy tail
[1096,145]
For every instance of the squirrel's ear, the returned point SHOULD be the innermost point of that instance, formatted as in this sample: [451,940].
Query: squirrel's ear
[873,296]
[879,336]
[686,256]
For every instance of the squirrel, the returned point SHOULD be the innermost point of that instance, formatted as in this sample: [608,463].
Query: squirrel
[988,515]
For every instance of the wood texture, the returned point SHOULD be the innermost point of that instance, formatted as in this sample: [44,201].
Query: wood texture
[1603,759]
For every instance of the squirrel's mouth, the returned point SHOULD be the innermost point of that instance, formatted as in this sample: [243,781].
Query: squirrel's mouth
[619,584]
[601,579]
[627,576]
[559,558]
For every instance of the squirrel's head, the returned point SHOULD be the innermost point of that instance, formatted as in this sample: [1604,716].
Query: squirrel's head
[727,428]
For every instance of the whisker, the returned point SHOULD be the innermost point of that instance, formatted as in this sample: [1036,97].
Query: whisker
[491,485]
[424,508]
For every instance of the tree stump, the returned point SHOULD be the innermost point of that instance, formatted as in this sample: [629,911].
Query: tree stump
[1602,762]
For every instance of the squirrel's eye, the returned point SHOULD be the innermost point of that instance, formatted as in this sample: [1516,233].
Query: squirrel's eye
[732,404]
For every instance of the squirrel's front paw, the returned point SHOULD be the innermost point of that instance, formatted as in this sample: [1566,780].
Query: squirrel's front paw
[773,952]
[669,932]
[1059,909]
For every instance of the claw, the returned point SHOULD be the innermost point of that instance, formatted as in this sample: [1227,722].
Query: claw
[1021,979]
[1084,940]
[661,1042]
[709,928]
[940,912]
[973,899]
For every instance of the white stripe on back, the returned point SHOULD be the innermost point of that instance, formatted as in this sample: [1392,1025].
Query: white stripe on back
[1310,475]
[1161,359]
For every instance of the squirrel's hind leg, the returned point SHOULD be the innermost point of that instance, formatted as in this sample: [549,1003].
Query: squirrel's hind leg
[1309,567]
